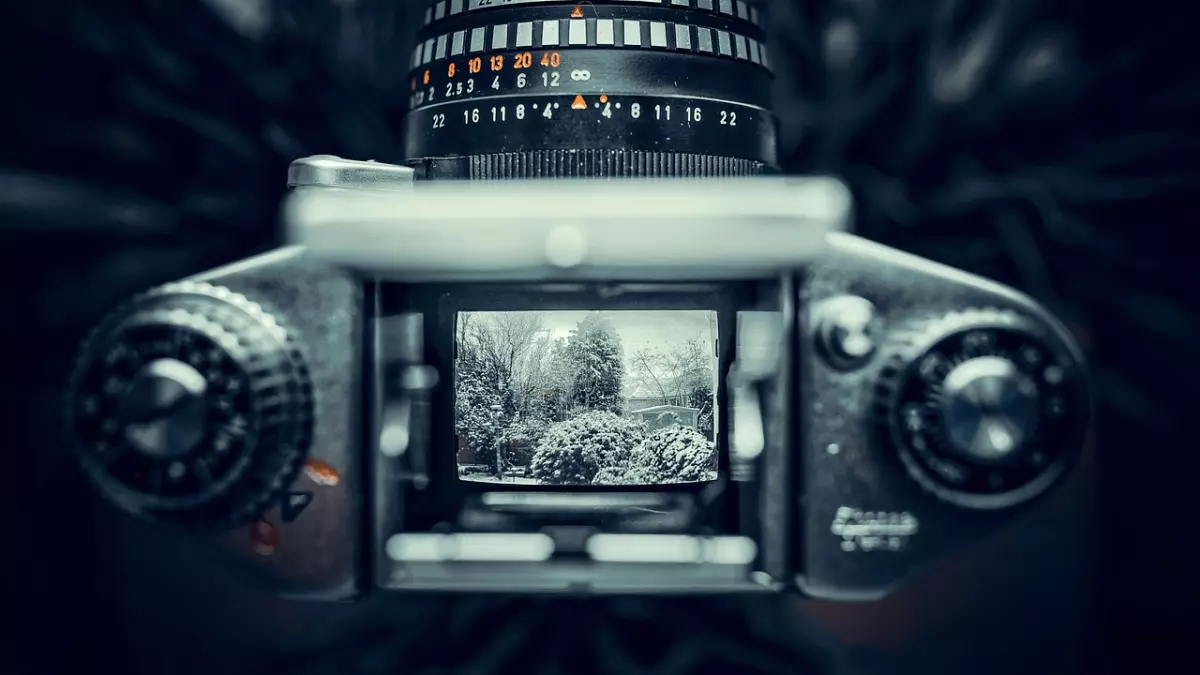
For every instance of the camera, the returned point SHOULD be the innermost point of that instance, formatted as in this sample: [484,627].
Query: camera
[672,373]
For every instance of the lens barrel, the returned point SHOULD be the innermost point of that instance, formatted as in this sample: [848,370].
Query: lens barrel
[543,89]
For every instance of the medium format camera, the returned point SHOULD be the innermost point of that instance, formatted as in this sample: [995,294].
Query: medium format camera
[674,372]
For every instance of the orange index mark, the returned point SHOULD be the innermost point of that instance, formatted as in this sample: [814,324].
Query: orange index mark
[577,13]
[604,98]
[321,473]
[579,103]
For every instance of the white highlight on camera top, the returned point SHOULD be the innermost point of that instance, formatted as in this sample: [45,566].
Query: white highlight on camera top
[566,246]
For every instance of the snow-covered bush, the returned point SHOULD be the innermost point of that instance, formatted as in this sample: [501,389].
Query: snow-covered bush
[673,455]
[626,474]
[682,453]
[574,451]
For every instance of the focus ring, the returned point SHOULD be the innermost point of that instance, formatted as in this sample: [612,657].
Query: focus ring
[608,163]
[678,37]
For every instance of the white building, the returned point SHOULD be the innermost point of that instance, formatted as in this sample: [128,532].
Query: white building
[660,416]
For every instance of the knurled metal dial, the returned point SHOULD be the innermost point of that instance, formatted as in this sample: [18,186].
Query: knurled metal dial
[600,163]
[191,404]
[984,408]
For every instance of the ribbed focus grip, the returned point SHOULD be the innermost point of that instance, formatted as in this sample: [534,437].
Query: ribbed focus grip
[608,163]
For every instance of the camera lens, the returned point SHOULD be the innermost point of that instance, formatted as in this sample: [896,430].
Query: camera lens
[543,89]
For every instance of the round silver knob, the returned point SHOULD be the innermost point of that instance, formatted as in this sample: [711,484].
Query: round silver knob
[989,409]
[164,411]
[846,331]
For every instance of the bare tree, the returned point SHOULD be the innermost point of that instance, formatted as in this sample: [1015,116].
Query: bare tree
[503,338]
[674,374]
[462,328]
[490,386]
[515,347]
[534,369]
[644,366]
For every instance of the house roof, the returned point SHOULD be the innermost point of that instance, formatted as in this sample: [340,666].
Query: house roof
[664,408]
[640,392]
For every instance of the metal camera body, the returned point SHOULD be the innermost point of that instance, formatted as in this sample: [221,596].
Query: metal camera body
[828,482]
[296,409]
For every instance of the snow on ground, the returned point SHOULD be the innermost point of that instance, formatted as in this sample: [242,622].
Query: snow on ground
[513,480]
[507,480]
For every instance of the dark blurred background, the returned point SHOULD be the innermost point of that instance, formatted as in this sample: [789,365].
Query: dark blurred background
[1051,145]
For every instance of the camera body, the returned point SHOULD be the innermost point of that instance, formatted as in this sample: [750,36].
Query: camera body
[297,408]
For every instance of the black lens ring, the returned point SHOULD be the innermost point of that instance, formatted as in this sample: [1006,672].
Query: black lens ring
[673,32]
[676,85]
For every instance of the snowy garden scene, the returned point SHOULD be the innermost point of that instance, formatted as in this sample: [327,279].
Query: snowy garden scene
[586,398]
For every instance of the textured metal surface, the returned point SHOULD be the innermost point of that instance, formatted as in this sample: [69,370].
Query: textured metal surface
[845,465]
[317,555]
[601,163]
[263,356]
[335,172]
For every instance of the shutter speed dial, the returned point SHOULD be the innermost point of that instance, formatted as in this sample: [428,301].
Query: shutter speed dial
[191,405]
[985,409]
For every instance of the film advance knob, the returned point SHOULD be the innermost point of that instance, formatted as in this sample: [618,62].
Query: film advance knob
[984,408]
[191,404]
